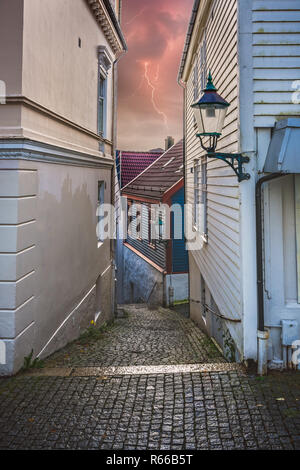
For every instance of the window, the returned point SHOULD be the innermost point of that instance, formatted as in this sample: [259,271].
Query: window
[196,195]
[102,106]
[204,196]
[196,79]
[200,197]
[160,225]
[104,64]
[202,65]
[200,70]
[100,213]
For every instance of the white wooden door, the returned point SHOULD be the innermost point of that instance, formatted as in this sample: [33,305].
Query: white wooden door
[281,230]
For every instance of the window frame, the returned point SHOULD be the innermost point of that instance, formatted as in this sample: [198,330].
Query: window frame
[102,104]
[196,196]
[203,193]
[196,78]
[203,62]
[160,225]
[101,200]
[200,217]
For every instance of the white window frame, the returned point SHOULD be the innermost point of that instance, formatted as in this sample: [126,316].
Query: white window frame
[102,104]
[196,170]
[200,197]
[202,62]
[104,64]
[100,215]
[196,78]
[203,192]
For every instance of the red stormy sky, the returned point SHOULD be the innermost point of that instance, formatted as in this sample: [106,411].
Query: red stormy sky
[150,100]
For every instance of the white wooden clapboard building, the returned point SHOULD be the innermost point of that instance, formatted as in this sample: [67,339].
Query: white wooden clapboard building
[252,49]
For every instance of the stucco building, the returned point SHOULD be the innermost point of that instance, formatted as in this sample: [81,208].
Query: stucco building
[252,50]
[57,141]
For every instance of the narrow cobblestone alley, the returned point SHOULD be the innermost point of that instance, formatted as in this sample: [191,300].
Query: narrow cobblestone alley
[152,380]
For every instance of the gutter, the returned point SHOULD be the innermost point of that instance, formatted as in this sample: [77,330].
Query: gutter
[188,38]
[262,333]
[115,22]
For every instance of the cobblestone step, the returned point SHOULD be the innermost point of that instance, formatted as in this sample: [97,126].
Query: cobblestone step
[134,370]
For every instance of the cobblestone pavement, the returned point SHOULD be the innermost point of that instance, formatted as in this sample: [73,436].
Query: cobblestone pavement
[144,337]
[225,409]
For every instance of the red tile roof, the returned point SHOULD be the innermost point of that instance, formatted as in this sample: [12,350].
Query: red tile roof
[133,163]
[159,177]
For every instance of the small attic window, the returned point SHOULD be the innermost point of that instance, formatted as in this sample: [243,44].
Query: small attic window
[168,163]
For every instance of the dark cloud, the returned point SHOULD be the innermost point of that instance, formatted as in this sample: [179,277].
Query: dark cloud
[155,33]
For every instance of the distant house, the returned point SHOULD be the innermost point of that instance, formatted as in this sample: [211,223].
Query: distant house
[155,262]
[245,273]
[129,164]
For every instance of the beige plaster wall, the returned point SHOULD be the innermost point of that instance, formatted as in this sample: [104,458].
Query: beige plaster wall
[50,257]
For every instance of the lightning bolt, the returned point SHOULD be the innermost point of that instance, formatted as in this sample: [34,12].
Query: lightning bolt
[153,90]
[157,74]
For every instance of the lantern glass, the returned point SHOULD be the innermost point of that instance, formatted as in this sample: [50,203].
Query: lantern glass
[210,118]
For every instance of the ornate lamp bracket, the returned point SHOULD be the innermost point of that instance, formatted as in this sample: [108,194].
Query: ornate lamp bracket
[235,161]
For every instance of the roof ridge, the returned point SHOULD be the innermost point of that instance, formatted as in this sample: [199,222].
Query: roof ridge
[138,151]
[155,161]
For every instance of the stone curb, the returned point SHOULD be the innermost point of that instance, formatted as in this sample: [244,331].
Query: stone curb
[134,370]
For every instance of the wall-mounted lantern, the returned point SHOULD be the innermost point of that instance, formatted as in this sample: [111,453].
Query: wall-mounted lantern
[210,112]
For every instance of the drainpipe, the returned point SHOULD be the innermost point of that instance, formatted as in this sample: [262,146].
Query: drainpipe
[262,333]
[113,175]
[183,86]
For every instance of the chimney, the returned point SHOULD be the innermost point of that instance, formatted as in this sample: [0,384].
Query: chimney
[169,142]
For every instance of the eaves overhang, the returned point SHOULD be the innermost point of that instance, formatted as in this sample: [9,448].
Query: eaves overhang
[284,150]
[188,38]
[200,13]
[106,18]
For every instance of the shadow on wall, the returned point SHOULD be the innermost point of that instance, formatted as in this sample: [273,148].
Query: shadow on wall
[68,261]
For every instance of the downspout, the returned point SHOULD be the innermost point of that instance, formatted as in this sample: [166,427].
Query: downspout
[262,333]
[183,86]
[113,176]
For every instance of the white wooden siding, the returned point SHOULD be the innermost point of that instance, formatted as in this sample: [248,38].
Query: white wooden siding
[219,260]
[276,59]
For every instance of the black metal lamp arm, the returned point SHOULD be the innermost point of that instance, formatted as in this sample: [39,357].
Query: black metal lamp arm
[230,159]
